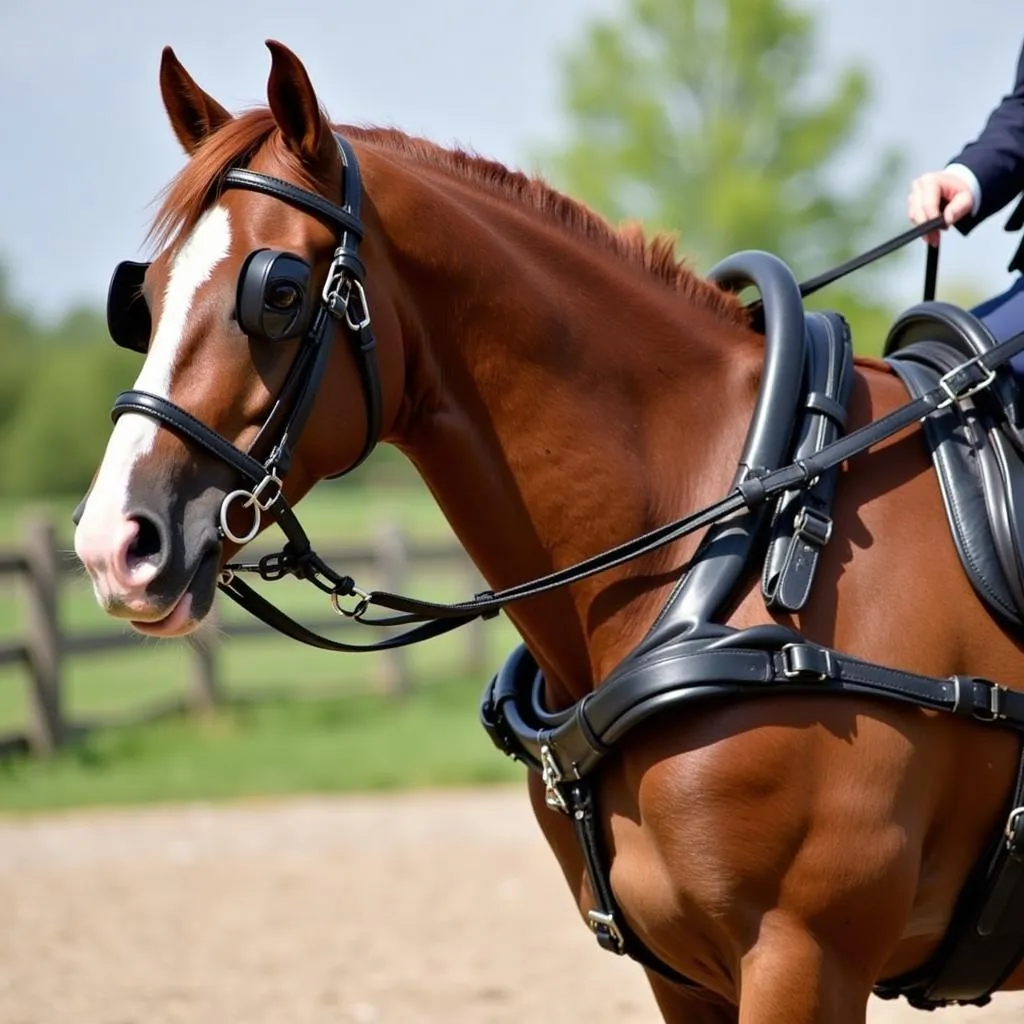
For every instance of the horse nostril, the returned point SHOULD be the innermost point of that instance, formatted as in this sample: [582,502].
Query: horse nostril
[147,545]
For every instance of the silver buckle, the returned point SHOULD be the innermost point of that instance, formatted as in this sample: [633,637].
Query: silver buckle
[552,776]
[813,526]
[600,919]
[1011,824]
[339,290]
[953,396]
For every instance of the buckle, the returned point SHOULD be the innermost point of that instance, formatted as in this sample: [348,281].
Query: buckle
[1013,829]
[552,776]
[805,661]
[609,937]
[978,698]
[813,526]
[993,711]
[957,386]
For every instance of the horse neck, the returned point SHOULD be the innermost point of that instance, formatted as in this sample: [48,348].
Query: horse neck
[559,400]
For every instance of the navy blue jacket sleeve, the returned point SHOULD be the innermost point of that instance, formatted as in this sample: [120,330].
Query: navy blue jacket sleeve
[997,156]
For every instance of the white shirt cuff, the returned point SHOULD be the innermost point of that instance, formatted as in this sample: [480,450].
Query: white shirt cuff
[961,171]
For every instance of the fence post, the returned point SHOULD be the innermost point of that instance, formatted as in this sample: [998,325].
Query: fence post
[205,690]
[43,640]
[392,560]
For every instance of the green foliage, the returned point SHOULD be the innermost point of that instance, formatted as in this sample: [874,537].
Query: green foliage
[711,119]
[56,387]
[57,384]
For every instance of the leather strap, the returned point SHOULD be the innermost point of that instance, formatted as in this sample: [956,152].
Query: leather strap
[606,921]
[986,940]
[814,284]
[760,661]
[336,216]
[749,493]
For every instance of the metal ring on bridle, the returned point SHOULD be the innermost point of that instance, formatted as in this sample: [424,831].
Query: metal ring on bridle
[257,514]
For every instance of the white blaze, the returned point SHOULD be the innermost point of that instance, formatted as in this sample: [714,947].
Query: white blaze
[133,434]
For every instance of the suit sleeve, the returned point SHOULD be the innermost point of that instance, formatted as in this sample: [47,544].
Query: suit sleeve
[997,156]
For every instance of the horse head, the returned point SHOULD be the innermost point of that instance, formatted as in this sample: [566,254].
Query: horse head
[260,268]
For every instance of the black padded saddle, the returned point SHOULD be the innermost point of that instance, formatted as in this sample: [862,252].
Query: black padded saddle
[977,448]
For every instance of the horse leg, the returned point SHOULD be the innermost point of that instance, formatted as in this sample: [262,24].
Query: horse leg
[790,977]
[690,1006]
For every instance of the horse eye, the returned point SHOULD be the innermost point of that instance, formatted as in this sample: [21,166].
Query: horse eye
[283,295]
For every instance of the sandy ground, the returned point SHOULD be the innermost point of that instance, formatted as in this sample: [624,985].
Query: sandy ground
[408,908]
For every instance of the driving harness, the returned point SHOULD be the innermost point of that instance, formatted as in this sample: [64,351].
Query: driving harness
[779,505]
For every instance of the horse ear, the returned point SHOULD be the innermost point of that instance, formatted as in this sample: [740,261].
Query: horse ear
[194,114]
[296,109]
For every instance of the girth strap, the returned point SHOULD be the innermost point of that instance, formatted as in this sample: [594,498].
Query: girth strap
[610,928]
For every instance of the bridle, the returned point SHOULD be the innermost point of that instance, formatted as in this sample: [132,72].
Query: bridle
[343,302]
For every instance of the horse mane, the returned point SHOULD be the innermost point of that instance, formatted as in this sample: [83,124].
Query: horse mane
[196,186]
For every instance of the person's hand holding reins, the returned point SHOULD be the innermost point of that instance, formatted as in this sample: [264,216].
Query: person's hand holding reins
[930,191]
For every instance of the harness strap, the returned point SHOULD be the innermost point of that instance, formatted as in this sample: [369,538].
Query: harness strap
[566,748]
[610,928]
[761,661]
[337,216]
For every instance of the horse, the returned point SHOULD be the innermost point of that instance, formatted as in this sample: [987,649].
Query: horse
[563,386]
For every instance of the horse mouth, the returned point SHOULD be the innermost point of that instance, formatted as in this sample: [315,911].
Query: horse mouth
[177,622]
[186,614]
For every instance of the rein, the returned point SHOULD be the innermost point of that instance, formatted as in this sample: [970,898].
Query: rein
[961,383]
[429,619]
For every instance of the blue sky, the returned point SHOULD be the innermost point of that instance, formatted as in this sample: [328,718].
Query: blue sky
[86,146]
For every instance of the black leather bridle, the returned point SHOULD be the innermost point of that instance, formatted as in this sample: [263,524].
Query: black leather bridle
[343,302]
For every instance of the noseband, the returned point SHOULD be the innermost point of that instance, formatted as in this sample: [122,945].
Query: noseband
[343,301]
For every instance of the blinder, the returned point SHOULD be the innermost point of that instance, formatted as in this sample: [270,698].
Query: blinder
[128,318]
[273,299]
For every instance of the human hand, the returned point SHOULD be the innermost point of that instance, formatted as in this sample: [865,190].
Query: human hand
[930,191]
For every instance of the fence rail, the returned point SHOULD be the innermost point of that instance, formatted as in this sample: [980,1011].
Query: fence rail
[45,646]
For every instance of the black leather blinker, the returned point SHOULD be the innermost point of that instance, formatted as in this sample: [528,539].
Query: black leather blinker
[273,300]
[128,318]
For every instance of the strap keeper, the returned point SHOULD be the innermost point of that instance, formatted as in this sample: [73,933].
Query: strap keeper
[805,661]
[979,699]
[818,401]
[813,526]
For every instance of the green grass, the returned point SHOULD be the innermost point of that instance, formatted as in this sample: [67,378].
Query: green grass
[352,741]
[430,738]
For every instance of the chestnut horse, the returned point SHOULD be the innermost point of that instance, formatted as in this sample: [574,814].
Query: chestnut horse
[563,387]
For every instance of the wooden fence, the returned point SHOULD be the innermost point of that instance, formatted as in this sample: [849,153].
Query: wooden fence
[45,646]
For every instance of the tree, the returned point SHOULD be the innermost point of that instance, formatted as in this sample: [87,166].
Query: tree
[710,119]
